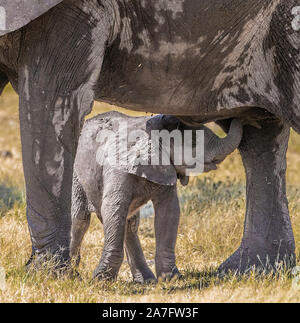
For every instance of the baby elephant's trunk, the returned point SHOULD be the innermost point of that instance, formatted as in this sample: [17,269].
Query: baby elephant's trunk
[227,145]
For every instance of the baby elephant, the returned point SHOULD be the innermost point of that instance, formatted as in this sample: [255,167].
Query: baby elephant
[116,191]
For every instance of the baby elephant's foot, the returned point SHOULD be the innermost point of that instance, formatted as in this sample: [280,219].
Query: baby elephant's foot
[109,265]
[105,273]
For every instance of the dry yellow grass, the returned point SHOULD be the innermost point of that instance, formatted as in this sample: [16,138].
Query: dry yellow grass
[210,230]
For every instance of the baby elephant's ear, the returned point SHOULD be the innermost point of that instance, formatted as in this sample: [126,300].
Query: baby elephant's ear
[163,175]
[134,156]
[141,164]
[144,166]
[134,163]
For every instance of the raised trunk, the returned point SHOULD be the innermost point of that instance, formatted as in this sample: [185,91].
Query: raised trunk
[224,147]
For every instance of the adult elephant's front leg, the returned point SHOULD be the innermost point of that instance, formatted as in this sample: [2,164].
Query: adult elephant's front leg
[48,164]
[268,237]
[58,71]
[50,128]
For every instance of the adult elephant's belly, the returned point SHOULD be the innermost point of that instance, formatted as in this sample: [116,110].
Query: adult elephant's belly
[209,67]
[211,87]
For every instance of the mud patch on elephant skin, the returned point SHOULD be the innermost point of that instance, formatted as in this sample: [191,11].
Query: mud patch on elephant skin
[36,152]
[176,50]
[284,42]
[239,81]
[26,85]
[296,20]
[62,113]
[55,169]
[174,6]
[126,35]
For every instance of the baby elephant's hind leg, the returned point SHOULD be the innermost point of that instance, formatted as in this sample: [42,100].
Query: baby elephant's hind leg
[167,213]
[140,271]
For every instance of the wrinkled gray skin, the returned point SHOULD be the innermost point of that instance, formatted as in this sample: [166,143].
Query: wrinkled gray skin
[202,61]
[116,192]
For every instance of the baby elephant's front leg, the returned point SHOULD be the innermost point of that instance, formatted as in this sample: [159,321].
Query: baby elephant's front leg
[140,271]
[167,213]
[81,218]
[79,228]
[114,213]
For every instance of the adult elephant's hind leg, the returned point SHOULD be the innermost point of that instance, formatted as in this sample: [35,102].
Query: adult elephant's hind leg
[268,237]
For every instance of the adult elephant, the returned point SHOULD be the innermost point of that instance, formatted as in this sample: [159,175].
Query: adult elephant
[202,61]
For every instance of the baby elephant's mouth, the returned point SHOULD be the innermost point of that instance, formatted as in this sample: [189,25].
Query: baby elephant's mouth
[213,165]
[210,166]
